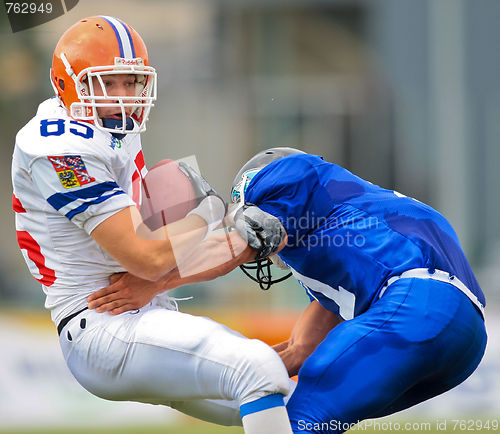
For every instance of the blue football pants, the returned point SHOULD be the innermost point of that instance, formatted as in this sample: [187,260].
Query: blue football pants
[422,338]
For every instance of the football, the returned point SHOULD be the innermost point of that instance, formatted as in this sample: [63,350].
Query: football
[167,195]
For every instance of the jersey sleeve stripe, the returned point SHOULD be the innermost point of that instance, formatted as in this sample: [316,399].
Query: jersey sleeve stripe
[60,200]
[83,207]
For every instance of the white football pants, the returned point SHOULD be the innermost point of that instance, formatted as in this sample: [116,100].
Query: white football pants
[161,356]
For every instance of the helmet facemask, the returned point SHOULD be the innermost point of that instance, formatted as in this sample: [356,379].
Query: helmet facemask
[141,103]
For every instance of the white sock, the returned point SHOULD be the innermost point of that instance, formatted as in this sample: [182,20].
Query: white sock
[266,415]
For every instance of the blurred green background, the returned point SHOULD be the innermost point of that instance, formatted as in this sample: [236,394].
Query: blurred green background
[404,93]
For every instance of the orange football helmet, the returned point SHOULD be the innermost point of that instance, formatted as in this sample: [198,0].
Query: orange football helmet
[88,51]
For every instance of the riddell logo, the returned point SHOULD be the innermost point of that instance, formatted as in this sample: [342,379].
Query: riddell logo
[25,15]
[129,62]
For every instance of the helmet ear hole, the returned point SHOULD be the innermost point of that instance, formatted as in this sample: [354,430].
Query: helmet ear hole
[61,83]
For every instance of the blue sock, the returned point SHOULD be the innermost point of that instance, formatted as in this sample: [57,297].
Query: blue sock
[269,401]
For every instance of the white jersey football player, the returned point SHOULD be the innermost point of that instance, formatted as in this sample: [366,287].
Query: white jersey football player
[76,172]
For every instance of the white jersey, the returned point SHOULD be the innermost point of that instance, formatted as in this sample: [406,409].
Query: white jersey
[68,177]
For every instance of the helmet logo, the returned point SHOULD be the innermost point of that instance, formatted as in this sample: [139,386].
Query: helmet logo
[239,190]
[129,62]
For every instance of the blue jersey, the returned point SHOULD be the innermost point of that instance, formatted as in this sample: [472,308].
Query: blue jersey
[346,236]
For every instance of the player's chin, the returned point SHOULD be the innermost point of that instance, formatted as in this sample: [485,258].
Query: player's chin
[113,112]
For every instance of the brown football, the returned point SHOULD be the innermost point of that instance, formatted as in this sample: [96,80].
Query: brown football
[167,195]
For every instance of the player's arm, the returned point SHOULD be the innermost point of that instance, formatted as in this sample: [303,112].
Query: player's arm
[152,254]
[203,265]
[128,292]
[310,329]
[217,256]
[146,256]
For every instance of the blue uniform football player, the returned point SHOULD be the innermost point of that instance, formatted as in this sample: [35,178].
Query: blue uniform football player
[396,315]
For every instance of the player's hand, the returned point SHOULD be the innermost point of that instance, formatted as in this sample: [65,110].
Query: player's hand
[293,358]
[200,185]
[125,292]
[212,207]
[262,231]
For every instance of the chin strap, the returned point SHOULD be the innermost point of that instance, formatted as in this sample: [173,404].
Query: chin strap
[263,275]
[117,124]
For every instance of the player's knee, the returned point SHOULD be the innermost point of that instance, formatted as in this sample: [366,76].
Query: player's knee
[263,373]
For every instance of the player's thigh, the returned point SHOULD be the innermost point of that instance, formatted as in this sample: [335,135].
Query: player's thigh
[347,377]
[366,364]
[459,349]
[204,359]
[160,356]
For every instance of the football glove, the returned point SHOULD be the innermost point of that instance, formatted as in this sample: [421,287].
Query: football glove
[212,208]
[262,231]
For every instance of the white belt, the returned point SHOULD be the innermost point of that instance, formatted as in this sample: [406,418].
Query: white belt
[442,276]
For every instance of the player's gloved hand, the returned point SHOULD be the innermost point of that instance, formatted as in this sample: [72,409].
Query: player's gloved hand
[212,208]
[261,230]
